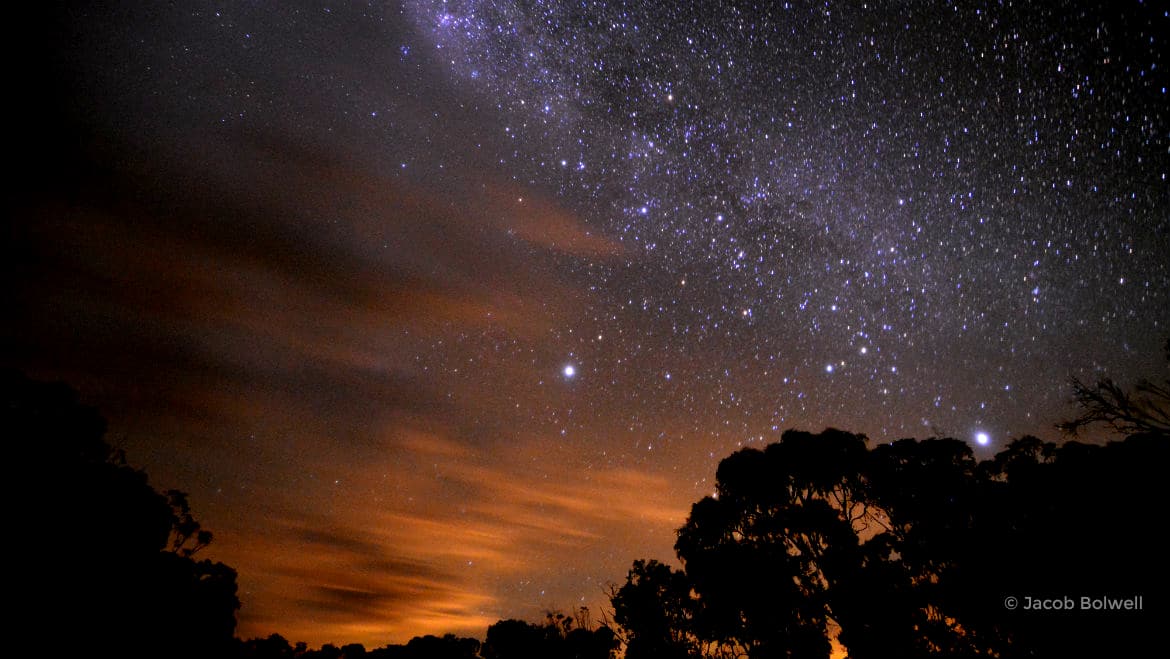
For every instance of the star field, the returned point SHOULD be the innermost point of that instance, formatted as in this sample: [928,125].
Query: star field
[445,312]
[904,215]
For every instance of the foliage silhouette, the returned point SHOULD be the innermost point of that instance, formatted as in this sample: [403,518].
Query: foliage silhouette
[448,646]
[558,638]
[763,552]
[113,557]
[1146,409]
[274,646]
[910,549]
[655,609]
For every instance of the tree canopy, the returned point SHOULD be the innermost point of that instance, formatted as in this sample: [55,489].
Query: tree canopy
[113,559]
[910,549]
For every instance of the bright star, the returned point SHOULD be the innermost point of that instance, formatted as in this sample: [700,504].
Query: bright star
[570,371]
[982,438]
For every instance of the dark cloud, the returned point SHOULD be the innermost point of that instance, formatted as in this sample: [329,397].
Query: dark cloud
[357,604]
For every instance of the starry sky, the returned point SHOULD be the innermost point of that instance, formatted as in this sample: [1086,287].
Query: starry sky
[444,312]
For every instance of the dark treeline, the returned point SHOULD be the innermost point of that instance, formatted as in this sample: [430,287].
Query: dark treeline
[560,637]
[907,549]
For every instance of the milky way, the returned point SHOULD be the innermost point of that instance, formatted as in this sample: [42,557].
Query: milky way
[898,218]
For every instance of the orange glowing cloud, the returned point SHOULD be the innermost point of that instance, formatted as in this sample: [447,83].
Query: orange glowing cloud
[545,224]
[299,344]
[381,570]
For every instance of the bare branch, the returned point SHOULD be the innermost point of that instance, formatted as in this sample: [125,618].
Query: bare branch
[1147,410]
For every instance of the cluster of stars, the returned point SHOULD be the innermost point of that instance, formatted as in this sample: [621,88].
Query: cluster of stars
[941,190]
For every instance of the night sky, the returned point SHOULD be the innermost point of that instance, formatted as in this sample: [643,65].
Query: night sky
[444,312]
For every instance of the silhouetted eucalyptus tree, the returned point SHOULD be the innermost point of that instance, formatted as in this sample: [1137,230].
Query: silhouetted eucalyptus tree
[656,610]
[112,557]
[913,549]
[764,553]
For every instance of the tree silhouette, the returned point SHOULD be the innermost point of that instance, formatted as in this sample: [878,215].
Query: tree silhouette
[655,609]
[1144,410]
[763,554]
[274,646]
[558,638]
[514,639]
[448,646]
[912,549]
[1081,520]
[113,558]
[929,493]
